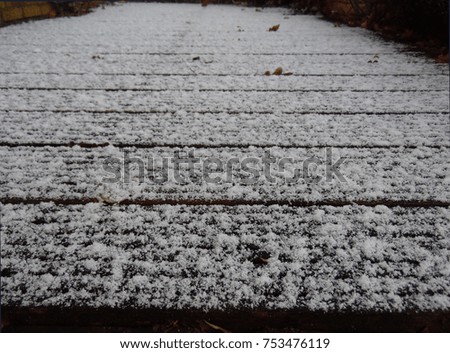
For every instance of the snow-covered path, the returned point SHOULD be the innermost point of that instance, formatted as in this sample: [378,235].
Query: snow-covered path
[152,80]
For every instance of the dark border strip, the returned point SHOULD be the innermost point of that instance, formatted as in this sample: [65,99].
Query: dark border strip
[85,319]
[143,89]
[205,146]
[230,202]
[230,112]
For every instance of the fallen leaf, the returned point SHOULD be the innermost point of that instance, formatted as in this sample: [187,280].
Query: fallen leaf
[267,73]
[106,199]
[374,59]
[261,259]
[288,74]
[274,28]
[215,327]
[196,58]
[278,71]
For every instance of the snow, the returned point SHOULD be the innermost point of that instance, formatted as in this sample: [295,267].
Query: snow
[216,129]
[230,81]
[355,257]
[76,92]
[198,101]
[371,174]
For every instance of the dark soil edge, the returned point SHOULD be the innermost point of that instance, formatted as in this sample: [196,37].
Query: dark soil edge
[51,319]
[430,36]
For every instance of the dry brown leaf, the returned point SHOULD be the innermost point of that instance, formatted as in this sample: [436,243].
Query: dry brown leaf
[288,73]
[263,260]
[374,59]
[267,73]
[215,327]
[274,28]
[106,199]
[278,71]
